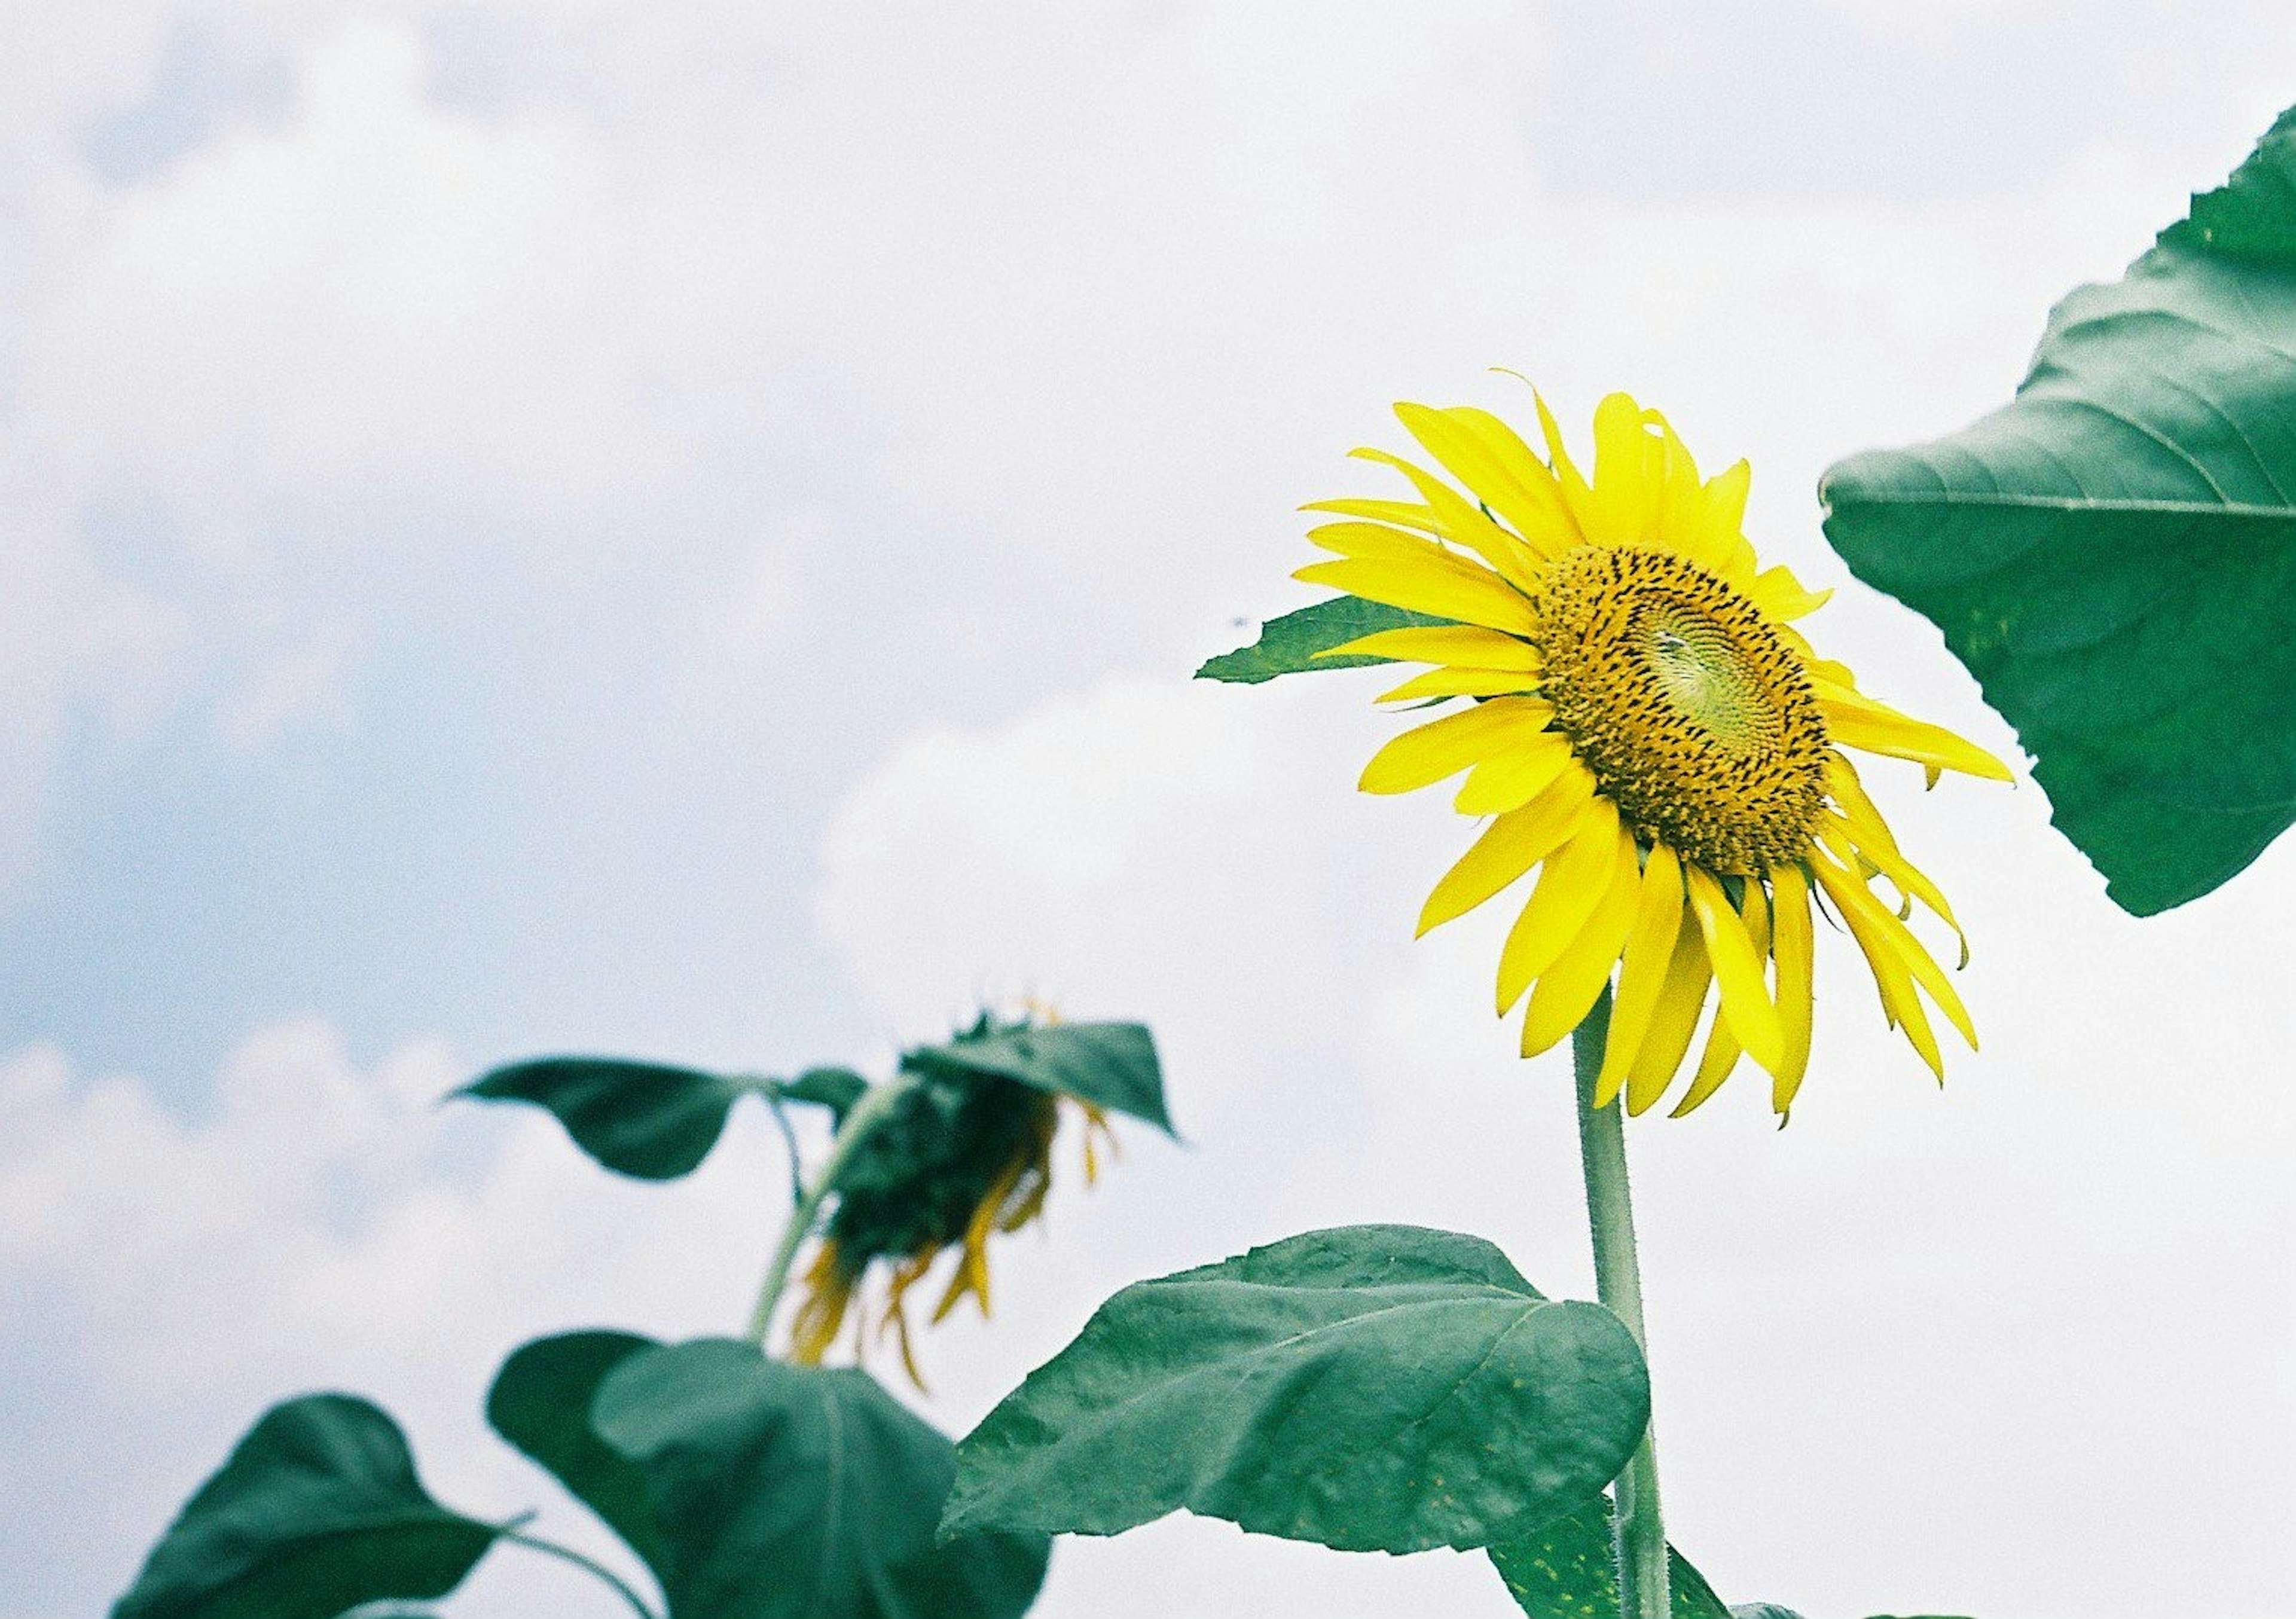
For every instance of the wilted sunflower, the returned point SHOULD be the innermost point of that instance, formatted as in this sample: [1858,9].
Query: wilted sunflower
[1652,733]
[963,1156]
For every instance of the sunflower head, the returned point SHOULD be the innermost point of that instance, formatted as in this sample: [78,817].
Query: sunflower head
[961,1157]
[1648,732]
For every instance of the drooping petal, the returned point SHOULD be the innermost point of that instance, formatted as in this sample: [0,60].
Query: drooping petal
[1572,884]
[1509,847]
[1792,948]
[1673,1021]
[1567,991]
[1427,754]
[1723,1049]
[1746,1004]
[1649,954]
[1858,721]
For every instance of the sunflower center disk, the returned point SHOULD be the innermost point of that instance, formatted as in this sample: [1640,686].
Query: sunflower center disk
[1695,717]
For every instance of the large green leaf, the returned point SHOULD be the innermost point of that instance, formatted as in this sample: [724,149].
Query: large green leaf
[800,1492]
[640,1118]
[2114,554]
[1375,1388]
[1288,645]
[318,1510]
[1569,1570]
[1112,1065]
[540,1402]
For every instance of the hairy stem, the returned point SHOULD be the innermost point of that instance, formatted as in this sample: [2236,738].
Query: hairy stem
[875,1105]
[1640,1535]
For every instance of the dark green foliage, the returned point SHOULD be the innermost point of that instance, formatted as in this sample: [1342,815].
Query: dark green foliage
[540,1402]
[799,1493]
[1288,645]
[1567,1570]
[1113,1066]
[318,1510]
[951,1139]
[643,1119]
[835,1089]
[2114,554]
[1372,1388]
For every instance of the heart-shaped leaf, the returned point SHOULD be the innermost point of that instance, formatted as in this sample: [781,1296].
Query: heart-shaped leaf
[1375,1388]
[540,1402]
[318,1510]
[1289,645]
[643,1119]
[2114,554]
[1111,1064]
[800,1492]
[1569,1570]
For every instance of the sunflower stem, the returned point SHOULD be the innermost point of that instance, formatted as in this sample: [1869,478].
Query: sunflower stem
[861,1120]
[1639,1536]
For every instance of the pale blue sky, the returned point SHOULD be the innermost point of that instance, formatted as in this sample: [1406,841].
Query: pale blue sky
[682,529]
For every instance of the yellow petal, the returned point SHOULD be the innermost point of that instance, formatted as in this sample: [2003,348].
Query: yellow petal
[1625,510]
[1567,991]
[1376,542]
[1856,721]
[1891,979]
[1793,947]
[1649,952]
[1448,587]
[1673,1021]
[1402,514]
[1465,523]
[1427,754]
[1509,847]
[1713,538]
[1722,1048]
[1509,781]
[1576,495]
[1462,683]
[1854,897]
[1778,594]
[1462,646]
[1515,484]
[1746,1004]
[1572,884]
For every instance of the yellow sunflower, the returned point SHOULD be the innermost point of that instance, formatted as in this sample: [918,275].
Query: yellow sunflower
[960,1157]
[1650,734]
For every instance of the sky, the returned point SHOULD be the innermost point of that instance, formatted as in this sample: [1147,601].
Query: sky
[682,530]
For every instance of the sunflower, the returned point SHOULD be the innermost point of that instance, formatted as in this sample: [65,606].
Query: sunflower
[961,1157]
[1651,735]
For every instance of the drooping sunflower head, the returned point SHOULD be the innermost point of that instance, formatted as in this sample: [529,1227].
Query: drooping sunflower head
[1650,734]
[963,1157]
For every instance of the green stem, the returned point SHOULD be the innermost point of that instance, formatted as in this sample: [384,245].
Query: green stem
[875,1105]
[1640,1535]
[534,1542]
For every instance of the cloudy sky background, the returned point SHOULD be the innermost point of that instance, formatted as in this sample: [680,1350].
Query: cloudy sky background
[682,530]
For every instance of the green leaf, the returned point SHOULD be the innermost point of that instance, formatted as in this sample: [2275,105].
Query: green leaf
[639,1118]
[1288,645]
[1111,1064]
[835,1089]
[801,1493]
[540,1402]
[318,1510]
[1375,1388]
[1762,1610]
[1567,1570]
[2114,554]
